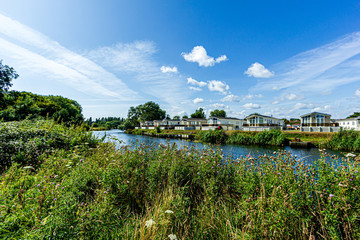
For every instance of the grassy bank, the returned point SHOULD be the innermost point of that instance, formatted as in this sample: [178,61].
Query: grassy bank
[90,190]
[344,141]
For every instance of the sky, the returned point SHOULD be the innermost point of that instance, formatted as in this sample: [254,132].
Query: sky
[278,58]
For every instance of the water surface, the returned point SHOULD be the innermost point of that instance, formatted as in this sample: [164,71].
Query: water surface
[308,155]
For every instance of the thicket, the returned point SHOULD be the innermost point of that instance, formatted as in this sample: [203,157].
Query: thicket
[212,136]
[25,141]
[151,192]
[272,137]
[16,106]
[106,123]
[348,140]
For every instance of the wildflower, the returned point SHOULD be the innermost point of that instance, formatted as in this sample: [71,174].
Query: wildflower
[169,211]
[198,173]
[149,223]
[331,195]
[172,237]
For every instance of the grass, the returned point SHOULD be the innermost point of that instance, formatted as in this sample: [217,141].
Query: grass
[100,192]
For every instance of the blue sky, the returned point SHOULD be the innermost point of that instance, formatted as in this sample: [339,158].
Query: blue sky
[280,58]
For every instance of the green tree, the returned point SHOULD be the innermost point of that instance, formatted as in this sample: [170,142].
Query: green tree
[218,113]
[7,74]
[198,114]
[185,116]
[20,105]
[355,114]
[146,112]
[285,120]
[177,117]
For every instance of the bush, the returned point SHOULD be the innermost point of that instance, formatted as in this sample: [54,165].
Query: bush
[272,137]
[212,136]
[345,140]
[25,141]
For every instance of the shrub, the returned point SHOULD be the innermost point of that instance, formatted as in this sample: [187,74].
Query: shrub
[25,141]
[213,136]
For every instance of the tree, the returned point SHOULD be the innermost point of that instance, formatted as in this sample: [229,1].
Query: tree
[146,112]
[177,117]
[7,74]
[218,113]
[285,120]
[355,114]
[185,116]
[198,114]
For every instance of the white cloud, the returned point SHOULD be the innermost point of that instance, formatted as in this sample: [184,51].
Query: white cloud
[199,55]
[323,108]
[252,96]
[195,89]
[231,98]
[293,96]
[165,69]
[259,71]
[218,86]
[33,53]
[275,102]
[357,93]
[303,106]
[135,61]
[221,59]
[321,69]
[251,106]
[192,81]
[218,105]
[198,100]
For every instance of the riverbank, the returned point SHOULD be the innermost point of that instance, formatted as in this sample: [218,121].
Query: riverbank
[315,139]
[345,140]
[81,188]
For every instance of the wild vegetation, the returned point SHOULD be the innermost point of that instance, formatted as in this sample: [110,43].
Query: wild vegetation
[91,190]
[16,106]
[345,140]
[105,123]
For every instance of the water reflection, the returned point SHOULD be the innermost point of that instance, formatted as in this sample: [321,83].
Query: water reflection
[236,151]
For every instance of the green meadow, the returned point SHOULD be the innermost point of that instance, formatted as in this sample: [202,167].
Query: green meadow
[60,182]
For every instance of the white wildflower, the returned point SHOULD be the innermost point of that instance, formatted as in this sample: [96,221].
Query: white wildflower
[169,211]
[172,237]
[149,223]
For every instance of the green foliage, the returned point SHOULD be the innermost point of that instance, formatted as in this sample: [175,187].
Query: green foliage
[345,140]
[25,105]
[285,120]
[24,142]
[354,115]
[104,193]
[176,117]
[212,136]
[199,113]
[7,74]
[272,137]
[218,113]
[146,112]
[106,122]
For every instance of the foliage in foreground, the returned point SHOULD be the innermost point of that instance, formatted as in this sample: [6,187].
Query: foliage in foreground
[25,141]
[152,192]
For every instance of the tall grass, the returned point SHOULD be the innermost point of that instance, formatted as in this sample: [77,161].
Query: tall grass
[272,137]
[107,193]
[345,140]
[25,141]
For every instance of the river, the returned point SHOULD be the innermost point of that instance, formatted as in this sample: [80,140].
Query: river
[308,155]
